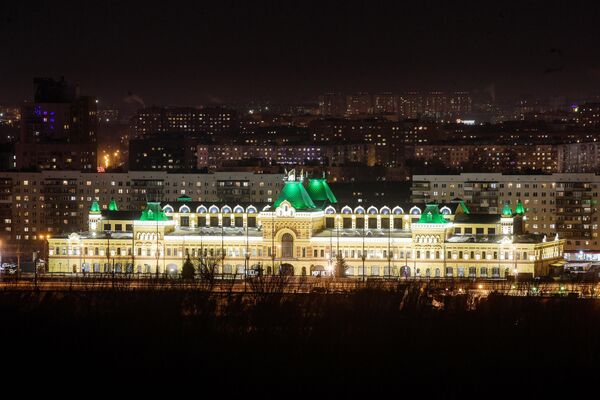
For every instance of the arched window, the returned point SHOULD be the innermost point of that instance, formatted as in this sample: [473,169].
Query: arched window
[168,209]
[214,210]
[385,210]
[238,210]
[287,246]
[251,210]
[346,210]
[226,209]
[184,209]
[372,210]
[201,210]
[359,210]
[397,211]
[330,210]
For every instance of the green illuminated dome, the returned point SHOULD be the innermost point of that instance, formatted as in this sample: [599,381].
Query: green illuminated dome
[112,206]
[507,211]
[296,195]
[432,215]
[319,191]
[184,198]
[153,212]
[95,208]
[519,209]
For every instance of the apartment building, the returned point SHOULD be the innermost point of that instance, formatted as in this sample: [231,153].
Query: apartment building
[33,204]
[566,204]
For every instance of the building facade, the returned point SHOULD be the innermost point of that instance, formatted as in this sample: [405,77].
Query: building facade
[562,203]
[304,232]
[36,204]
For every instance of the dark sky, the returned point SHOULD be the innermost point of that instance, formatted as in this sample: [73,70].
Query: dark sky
[195,52]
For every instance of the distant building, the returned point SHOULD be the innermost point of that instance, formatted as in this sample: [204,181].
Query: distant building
[209,121]
[332,104]
[588,115]
[173,152]
[58,130]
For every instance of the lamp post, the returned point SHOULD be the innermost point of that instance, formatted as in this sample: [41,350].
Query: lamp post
[363,256]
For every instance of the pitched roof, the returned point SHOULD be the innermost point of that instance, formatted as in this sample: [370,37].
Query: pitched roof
[318,189]
[294,193]
[153,212]
[432,215]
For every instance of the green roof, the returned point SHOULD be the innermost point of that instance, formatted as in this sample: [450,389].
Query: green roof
[432,215]
[464,207]
[112,206]
[95,207]
[184,198]
[153,212]
[296,195]
[507,211]
[319,190]
[519,209]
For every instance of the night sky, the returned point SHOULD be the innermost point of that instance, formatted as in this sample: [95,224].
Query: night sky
[199,52]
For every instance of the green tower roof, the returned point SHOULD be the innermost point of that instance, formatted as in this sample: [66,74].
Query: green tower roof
[319,190]
[153,212]
[112,206]
[507,211]
[519,209]
[464,207]
[296,195]
[432,215]
[95,207]
[184,197]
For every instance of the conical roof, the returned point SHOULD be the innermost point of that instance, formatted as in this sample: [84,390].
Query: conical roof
[112,206]
[519,209]
[318,189]
[507,211]
[95,207]
[296,195]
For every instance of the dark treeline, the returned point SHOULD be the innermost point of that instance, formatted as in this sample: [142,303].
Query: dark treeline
[268,342]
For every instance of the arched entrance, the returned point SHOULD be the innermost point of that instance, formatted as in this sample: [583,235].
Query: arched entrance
[172,269]
[405,271]
[317,270]
[286,269]
[287,246]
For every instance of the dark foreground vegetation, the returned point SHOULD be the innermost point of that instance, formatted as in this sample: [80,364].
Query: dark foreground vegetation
[281,345]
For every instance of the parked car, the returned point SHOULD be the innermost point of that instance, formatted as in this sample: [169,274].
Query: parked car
[8,268]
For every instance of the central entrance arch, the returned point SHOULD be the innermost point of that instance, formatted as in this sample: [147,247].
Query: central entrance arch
[286,269]
[287,246]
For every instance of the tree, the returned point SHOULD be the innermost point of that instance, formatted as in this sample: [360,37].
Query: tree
[340,267]
[188,271]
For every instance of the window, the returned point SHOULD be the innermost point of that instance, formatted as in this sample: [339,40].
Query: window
[184,221]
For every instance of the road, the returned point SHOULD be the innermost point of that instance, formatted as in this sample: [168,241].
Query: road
[277,284]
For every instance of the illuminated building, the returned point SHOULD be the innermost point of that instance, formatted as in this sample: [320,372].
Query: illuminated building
[210,121]
[302,233]
[58,130]
[563,203]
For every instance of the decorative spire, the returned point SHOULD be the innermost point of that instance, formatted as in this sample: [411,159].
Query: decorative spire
[112,206]
[95,207]
[506,210]
[519,209]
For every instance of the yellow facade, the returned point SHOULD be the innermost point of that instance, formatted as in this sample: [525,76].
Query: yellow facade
[375,242]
